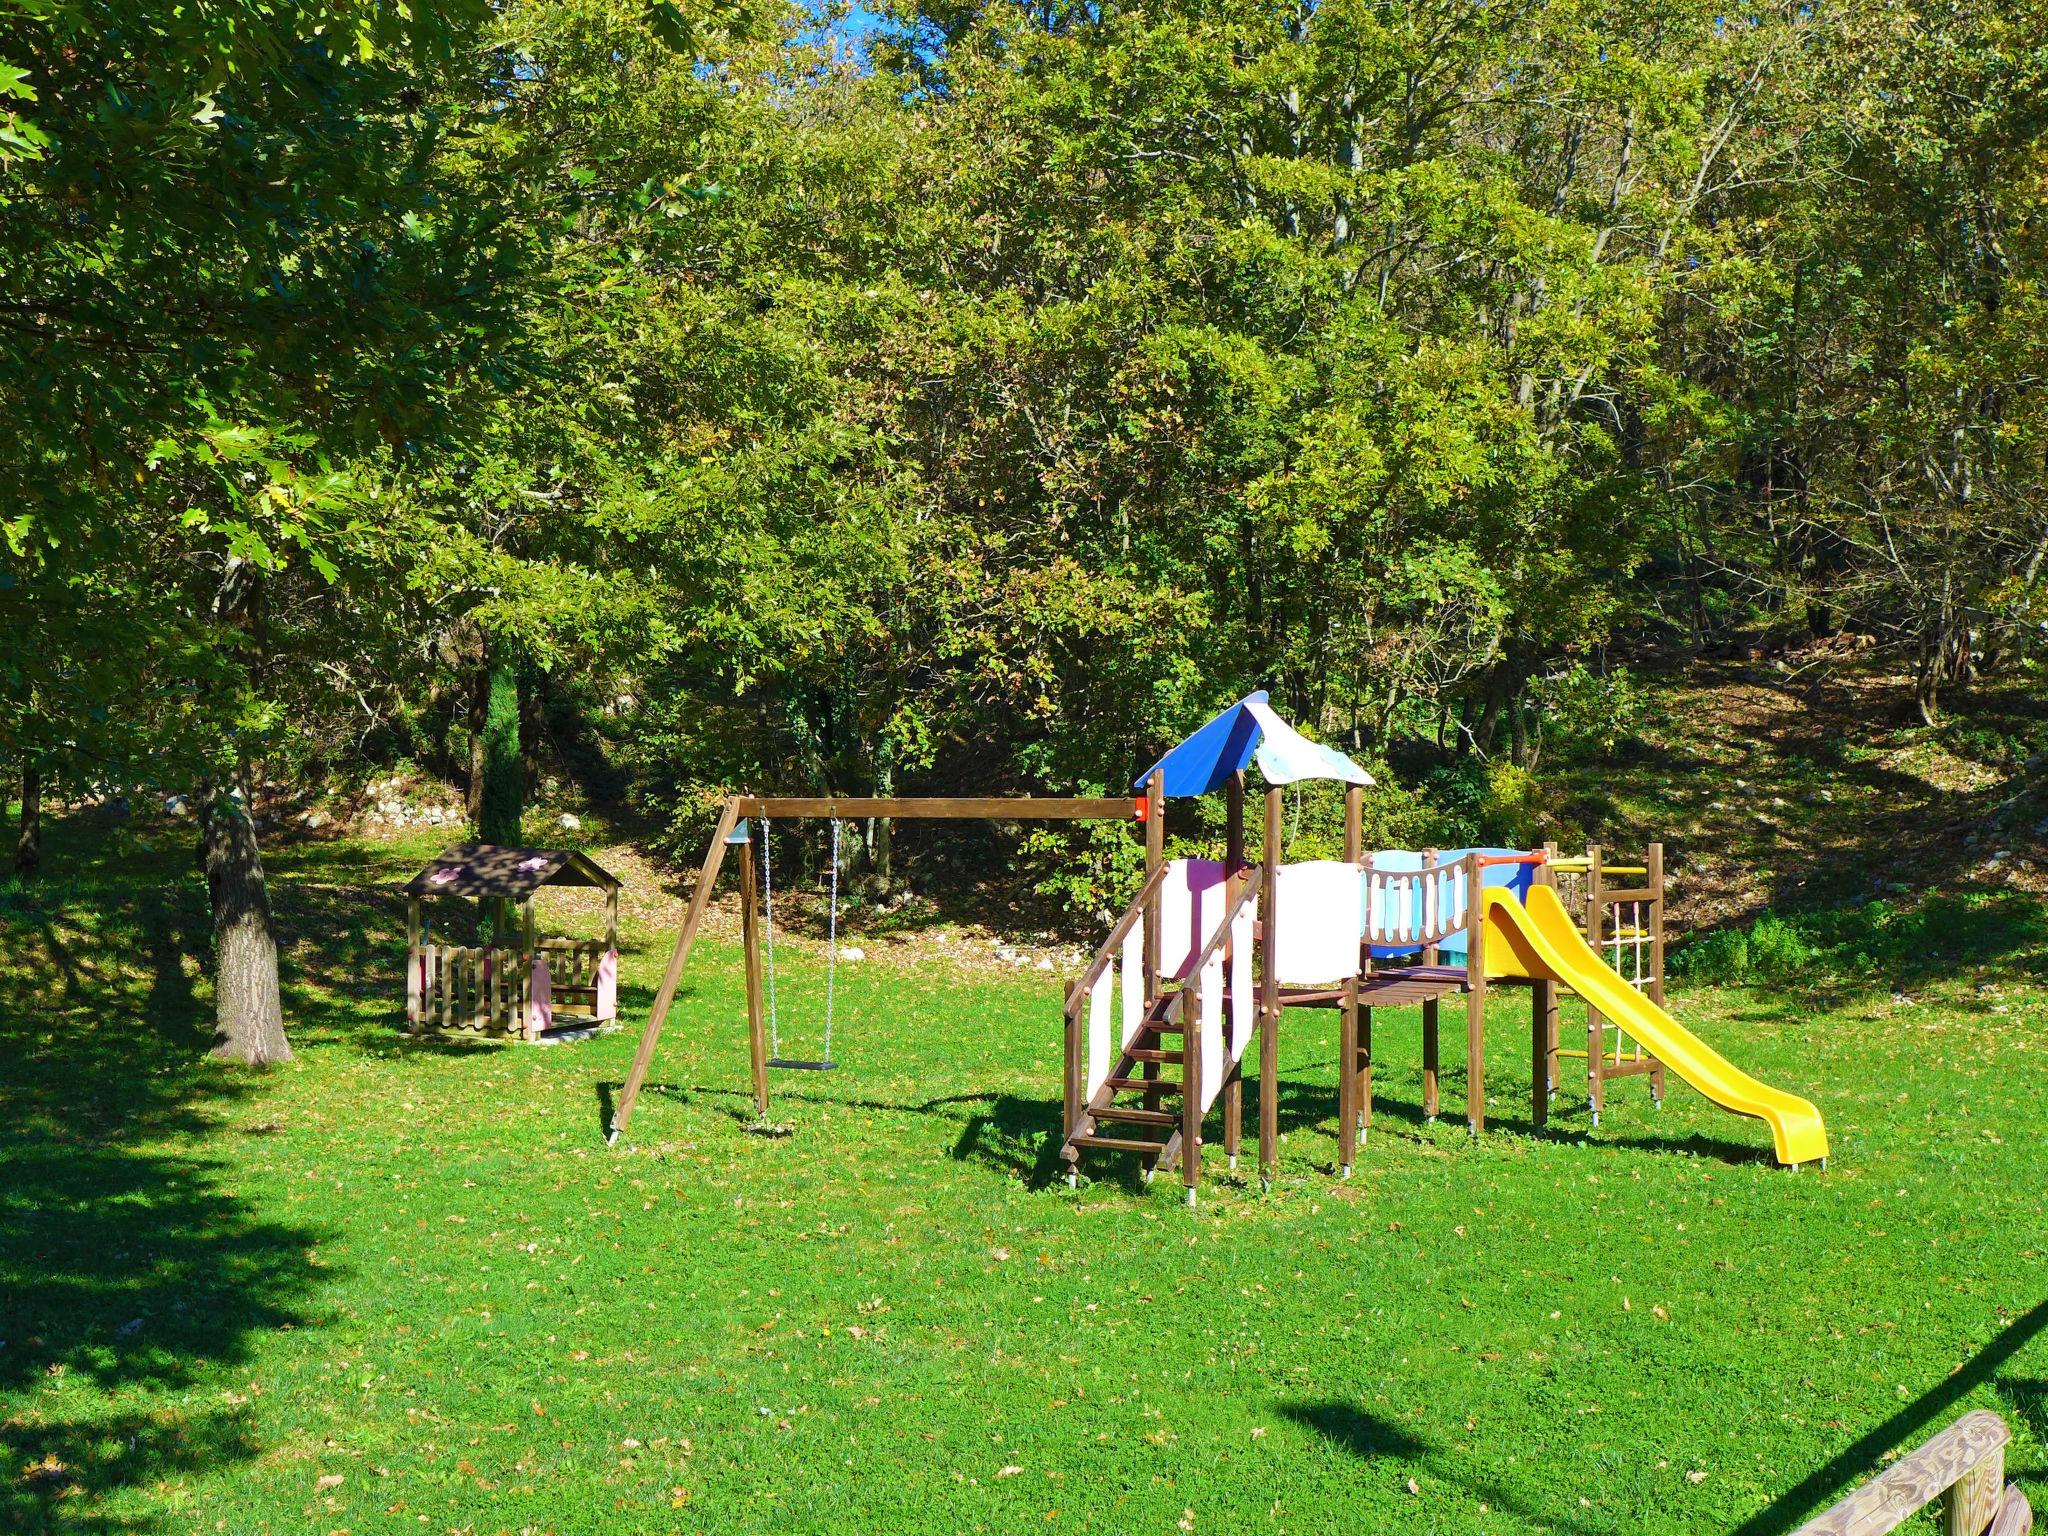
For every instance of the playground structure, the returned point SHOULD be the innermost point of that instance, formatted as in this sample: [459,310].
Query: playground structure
[530,987]
[1209,954]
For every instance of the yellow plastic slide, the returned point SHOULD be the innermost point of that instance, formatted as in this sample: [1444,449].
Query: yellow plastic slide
[1541,940]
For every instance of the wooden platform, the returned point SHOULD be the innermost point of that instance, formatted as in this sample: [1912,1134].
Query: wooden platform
[1394,985]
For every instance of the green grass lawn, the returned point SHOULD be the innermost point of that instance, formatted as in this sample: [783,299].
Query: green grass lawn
[404,1286]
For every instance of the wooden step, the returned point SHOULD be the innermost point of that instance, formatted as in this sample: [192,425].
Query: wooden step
[1146,1053]
[1124,1116]
[1118,1144]
[1143,1084]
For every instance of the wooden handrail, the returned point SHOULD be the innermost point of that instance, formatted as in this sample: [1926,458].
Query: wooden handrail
[1965,1463]
[1118,932]
[1441,878]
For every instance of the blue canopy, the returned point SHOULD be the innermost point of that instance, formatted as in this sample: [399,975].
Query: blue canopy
[1203,763]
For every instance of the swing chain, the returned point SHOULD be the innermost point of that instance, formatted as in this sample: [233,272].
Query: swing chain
[775,1057]
[768,880]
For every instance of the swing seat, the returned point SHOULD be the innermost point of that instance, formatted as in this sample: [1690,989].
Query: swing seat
[788,1065]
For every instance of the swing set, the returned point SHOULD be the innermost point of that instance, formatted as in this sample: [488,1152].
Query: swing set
[735,831]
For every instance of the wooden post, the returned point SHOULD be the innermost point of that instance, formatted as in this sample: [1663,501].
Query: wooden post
[1553,1020]
[1542,1007]
[1233,822]
[700,898]
[750,937]
[414,961]
[1364,1073]
[1655,880]
[1234,865]
[1269,996]
[1475,995]
[1429,1012]
[611,918]
[1071,1078]
[1349,1078]
[522,981]
[1596,1030]
[494,981]
[1233,1112]
[1155,855]
[1973,1498]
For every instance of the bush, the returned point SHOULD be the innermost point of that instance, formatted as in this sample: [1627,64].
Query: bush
[1872,940]
[1772,948]
[1510,810]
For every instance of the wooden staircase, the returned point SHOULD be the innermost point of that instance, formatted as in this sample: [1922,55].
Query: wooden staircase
[1150,1103]
[1156,1045]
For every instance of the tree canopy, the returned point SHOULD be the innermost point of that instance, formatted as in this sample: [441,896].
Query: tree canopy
[979,394]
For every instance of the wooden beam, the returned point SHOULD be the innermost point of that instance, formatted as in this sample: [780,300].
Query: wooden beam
[700,898]
[941,808]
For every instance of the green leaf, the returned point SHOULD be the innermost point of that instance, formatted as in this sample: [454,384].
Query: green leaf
[668,23]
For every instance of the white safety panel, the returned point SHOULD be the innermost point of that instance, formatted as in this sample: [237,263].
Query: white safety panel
[1317,912]
[1191,902]
[1243,1000]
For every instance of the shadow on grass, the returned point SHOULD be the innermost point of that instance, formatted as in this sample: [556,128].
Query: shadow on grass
[1364,1435]
[126,1264]
[1924,1416]
[1311,1106]
[48,1492]
[1371,1438]
[1015,1135]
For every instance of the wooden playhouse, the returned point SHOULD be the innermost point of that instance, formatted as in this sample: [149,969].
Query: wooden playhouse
[519,983]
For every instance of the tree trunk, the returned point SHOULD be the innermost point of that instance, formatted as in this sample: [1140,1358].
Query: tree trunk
[502,807]
[1499,689]
[248,1012]
[479,707]
[28,843]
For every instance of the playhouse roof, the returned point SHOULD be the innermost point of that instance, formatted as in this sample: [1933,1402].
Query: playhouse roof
[485,869]
[1249,728]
